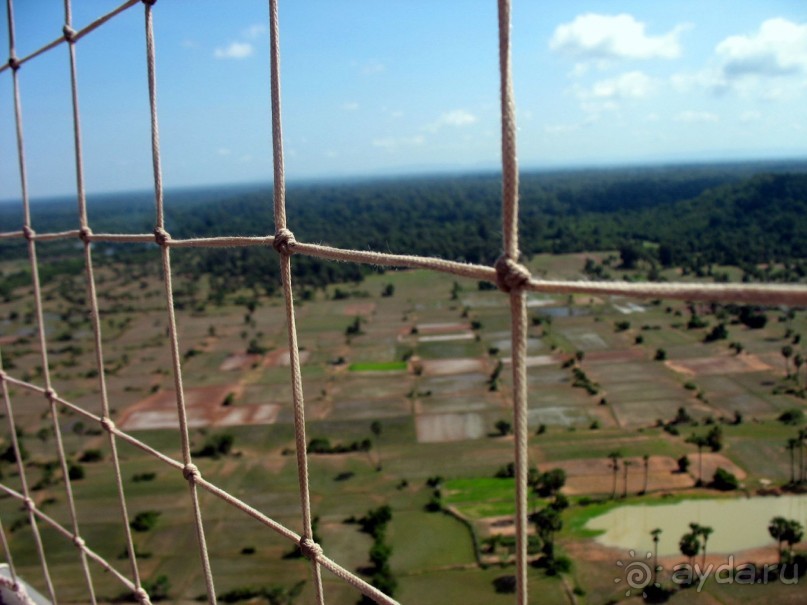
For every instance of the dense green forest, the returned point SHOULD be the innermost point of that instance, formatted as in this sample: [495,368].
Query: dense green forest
[688,216]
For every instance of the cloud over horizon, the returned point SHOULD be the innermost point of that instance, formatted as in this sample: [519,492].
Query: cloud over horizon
[235,50]
[606,37]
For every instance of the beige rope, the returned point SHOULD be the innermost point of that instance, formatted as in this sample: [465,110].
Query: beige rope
[508,274]
[27,233]
[512,277]
[162,238]
[77,35]
[4,379]
[284,242]
[85,234]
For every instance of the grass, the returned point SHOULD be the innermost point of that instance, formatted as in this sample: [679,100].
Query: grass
[378,366]
[432,556]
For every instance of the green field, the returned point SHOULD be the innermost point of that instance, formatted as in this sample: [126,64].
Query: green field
[350,381]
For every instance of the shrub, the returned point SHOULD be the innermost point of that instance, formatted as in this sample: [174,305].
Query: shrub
[505,584]
[75,471]
[91,456]
[792,416]
[724,480]
[145,520]
[215,446]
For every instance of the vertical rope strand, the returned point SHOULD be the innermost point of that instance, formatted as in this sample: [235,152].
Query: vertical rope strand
[283,247]
[7,551]
[12,427]
[508,117]
[190,471]
[29,235]
[299,419]
[279,188]
[92,298]
[517,296]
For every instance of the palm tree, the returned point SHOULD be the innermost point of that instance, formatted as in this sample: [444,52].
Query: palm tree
[792,444]
[700,442]
[777,528]
[794,532]
[376,428]
[646,460]
[787,351]
[655,533]
[690,546]
[625,465]
[798,361]
[614,456]
[705,532]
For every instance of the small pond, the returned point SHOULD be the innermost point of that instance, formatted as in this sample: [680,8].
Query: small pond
[738,523]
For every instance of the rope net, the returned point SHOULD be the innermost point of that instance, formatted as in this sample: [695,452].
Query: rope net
[512,278]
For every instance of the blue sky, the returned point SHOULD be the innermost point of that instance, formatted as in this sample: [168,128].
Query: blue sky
[405,86]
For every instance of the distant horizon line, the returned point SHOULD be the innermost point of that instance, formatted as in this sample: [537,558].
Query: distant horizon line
[426,172]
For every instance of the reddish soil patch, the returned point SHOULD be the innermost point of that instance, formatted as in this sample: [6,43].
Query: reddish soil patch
[239,361]
[245,361]
[711,462]
[444,367]
[363,308]
[203,407]
[281,357]
[8,340]
[708,366]
[595,475]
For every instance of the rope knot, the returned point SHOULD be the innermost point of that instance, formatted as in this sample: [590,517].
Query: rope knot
[78,541]
[149,2]
[85,234]
[107,424]
[28,504]
[142,596]
[50,394]
[191,472]
[14,63]
[310,549]
[510,275]
[69,33]
[28,233]
[284,242]
[161,236]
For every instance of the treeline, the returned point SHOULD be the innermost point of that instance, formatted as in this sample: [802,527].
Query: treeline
[692,216]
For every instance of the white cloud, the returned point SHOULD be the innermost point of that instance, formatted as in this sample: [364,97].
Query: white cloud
[223,151]
[603,37]
[457,118]
[630,85]
[350,106]
[696,117]
[779,48]
[235,50]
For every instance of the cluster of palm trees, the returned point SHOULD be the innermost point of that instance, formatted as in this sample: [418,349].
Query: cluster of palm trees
[615,458]
[692,542]
[797,443]
[786,530]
